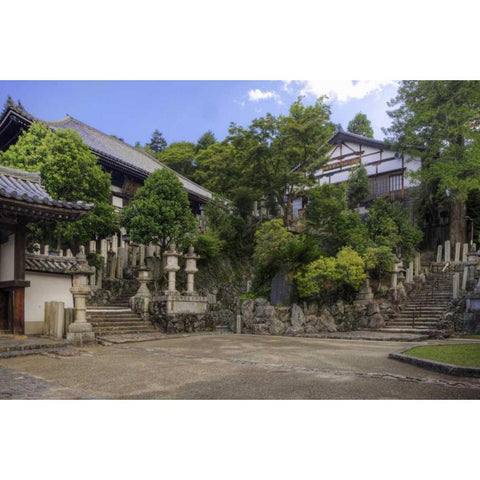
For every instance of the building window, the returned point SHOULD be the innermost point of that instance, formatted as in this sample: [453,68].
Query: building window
[395,183]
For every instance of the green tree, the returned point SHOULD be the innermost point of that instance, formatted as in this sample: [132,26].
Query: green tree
[70,172]
[281,155]
[360,125]
[358,186]
[389,225]
[157,143]
[180,156]
[207,139]
[160,211]
[438,122]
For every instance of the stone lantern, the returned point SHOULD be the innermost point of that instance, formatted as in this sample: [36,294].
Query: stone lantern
[80,330]
[171,266]
[143,297]
[396,271]
[191,269]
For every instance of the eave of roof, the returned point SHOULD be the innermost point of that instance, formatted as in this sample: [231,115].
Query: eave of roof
[342,136]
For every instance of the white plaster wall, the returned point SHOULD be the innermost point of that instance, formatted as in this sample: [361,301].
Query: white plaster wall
[45,287]
[7,257]
[117,201]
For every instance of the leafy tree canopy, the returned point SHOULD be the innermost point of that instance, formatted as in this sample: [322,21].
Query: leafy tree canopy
[207,139]
[360,125]
[160,211]
[180,156]
[70,172]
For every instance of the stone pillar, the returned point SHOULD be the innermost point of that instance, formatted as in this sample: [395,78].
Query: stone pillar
[171,266]
[134,255]
[396,270]
[69,253]
[455,281]
[115,243]
[142,255]
[439,254]
[238,324]
[417,264]
[54,319]
[99,276]
[464,252]
[150,250]
[104,250]
[120,262]
[111,265]
[409,278]
[457,252]
[92,246]
[80,330]
[447,251]
[464,278]
[143,292]
[474,247]
[191,269]
[46,249]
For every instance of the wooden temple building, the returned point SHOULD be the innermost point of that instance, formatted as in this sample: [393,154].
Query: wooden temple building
[127,165]
[26,283]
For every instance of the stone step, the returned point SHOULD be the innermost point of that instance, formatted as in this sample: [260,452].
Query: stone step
[115,323]
[121,330]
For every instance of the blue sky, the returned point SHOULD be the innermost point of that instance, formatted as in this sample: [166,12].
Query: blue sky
[184,110]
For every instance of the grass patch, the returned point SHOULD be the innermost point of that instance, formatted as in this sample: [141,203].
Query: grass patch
[465,355]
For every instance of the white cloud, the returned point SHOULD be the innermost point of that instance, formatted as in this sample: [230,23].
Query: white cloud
[257,95]
[340,90]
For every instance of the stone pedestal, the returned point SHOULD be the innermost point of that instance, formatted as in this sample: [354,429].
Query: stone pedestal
[80,330]
[365,295]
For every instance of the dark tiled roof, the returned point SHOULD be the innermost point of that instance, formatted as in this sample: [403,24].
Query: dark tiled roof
[342,136]
[113,148]
[49,264]
[26,187]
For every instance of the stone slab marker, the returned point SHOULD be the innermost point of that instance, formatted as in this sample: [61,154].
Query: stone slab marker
[54,319]
[120,258]
[464,278]
[447,251]
[417,264]
[104,251]
[464,252]
[92,246]
[457,252]
[142,255]
[46,249]
[115,243]
[455,281]
[409,273]
[238,324]
[439,254]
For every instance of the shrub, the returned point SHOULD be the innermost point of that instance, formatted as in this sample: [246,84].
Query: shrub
[208,245]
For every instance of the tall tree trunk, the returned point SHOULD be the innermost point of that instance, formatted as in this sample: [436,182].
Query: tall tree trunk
[458,223]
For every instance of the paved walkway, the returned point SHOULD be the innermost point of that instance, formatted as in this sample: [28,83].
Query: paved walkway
[232,366]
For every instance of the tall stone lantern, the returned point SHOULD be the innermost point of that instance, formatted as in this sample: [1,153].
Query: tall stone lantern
[143,297]
[171,266]
[80,330]
[191,269]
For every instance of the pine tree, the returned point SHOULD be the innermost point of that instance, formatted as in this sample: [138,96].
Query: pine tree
[157,142]
[360,125]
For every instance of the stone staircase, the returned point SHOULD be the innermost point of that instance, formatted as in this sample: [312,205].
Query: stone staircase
[424,309]
[116,318]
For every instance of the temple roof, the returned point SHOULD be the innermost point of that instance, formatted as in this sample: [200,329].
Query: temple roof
[342,136]
[26,187]
[115,152]
[49,264]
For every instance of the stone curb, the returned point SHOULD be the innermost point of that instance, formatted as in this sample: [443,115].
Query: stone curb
[440,367]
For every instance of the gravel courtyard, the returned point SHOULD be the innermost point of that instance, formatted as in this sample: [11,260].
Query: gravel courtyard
[230,367]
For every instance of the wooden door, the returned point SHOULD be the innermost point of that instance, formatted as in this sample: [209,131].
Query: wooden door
[4,311]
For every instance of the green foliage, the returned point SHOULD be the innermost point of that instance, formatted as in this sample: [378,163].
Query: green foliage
[160,211]
[180,156]
[271,241]
[360,125]
[438,122]
[388,225]
[157,142]
[207,139]
[208,245]
[280,155]
[358,186]
[344,272]
[379,260]
[70,172]
[330,221]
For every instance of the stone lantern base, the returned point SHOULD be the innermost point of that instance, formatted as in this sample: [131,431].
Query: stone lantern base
[80,333]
